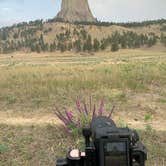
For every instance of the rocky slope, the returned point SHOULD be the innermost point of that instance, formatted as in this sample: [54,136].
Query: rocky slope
[75,10]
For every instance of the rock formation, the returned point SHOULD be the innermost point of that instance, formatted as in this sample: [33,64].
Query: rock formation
[75,10]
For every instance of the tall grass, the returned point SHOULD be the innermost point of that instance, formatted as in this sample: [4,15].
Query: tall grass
[27,84]
[31,85]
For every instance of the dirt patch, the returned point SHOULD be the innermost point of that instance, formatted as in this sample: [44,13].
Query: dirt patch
[140,124]
[27,119]
[43,120]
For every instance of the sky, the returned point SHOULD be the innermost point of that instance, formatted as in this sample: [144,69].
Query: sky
[14,11]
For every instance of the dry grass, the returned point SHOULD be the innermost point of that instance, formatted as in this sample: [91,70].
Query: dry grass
[34,145]
[30,85]
[98,32]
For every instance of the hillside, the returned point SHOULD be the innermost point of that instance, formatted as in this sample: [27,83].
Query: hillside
[50,36]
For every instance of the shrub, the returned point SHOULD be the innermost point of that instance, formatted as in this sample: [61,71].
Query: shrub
[11,99]
[3,148]
[115,47]
[147,117]
[82,117]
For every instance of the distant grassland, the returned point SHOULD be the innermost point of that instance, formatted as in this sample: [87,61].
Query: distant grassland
[134,80]
[43,81]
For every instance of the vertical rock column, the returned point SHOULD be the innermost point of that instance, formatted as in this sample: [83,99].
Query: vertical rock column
[75,10]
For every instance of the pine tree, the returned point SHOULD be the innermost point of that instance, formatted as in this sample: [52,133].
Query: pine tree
[41,43]
[103,44]
[77,45]
[61,46]
[38,50]
[4,35]
[84,34]
[69,48]
[88,44]
[114,47]
[96,45]
[163,39]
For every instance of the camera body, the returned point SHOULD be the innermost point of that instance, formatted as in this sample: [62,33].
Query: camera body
[107,145]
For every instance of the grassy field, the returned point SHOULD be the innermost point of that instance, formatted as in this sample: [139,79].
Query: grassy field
[31,84]
[36,145]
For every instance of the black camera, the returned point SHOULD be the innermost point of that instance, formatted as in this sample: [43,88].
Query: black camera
[107,145]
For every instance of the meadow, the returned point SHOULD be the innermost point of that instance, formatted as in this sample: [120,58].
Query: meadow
[31,85]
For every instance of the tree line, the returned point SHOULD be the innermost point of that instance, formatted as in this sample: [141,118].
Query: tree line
[24,36]
[81,41]
[125,24]
[41,22]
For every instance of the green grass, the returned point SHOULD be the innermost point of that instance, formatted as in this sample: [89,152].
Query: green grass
[11,99]
[3,148]
[148,117]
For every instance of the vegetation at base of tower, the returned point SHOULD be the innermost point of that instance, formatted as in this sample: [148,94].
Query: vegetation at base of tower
[31,37]
[163,39]
[127,24]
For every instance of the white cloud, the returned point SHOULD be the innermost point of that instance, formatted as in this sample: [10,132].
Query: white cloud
[128,10]
[12,11]
[6,9]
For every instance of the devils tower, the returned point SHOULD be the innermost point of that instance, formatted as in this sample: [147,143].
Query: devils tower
[75,10]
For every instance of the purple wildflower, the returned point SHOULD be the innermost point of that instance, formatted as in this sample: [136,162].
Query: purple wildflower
[109,116]
[78,105]
[79,124]
[69,115]
[85,108]
[101,108]
[67,130]
[90,104]
[62,118]
[81,118]
[94,112]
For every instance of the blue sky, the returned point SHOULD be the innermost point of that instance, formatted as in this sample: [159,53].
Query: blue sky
[14,11]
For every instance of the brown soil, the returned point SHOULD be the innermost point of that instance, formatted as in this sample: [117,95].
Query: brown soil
[7,118]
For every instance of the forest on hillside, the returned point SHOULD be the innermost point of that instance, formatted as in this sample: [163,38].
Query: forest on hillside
[29,37]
